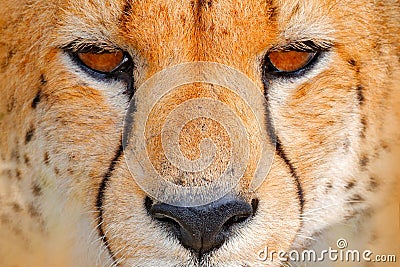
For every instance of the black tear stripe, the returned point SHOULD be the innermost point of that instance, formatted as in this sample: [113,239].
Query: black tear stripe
[274,138]
[281,153]
[100,195]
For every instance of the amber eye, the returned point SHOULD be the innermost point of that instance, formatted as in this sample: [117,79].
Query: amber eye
[104,62]
[290,61]
[101,64]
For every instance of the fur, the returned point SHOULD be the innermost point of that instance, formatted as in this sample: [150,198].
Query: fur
[337,127]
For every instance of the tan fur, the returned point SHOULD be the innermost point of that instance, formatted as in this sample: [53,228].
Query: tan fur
[54,152]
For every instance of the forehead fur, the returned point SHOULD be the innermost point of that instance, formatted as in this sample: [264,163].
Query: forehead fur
[164,33]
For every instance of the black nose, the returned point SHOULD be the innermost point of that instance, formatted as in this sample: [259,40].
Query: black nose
[203,228]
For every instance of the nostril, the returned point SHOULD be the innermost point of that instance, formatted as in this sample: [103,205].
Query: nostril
[170,224]
[159,216]
[240,218]
[235,220]
[166,220]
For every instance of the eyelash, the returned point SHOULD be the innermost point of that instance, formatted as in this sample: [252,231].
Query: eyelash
[319,50]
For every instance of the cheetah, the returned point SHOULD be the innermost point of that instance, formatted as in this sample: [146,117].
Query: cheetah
[198,132]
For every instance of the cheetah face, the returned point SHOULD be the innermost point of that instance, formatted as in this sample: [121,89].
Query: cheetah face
[197,133]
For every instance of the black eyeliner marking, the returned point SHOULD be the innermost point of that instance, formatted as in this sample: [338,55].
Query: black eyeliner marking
[279,148]
[100,195]
[270,127]
[300,194]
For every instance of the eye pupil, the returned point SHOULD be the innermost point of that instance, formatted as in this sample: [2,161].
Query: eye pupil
[290,61]
[104,62]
